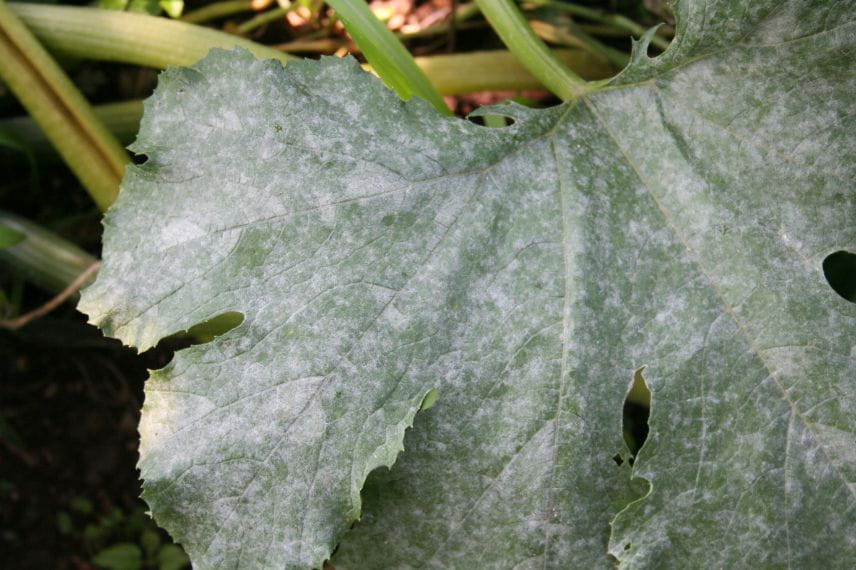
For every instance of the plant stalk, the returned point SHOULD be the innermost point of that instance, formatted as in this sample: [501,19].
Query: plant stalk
[515,32]
[121,119]
[260,20]
[42,257]
[64,115]
[105,35]
[387,55]
[501,70]
[595,15]
[218,10]
[578,38]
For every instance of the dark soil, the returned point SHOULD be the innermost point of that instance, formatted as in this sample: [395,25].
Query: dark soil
[69,407]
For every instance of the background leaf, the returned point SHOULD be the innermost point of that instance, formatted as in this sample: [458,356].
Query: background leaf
[123,556]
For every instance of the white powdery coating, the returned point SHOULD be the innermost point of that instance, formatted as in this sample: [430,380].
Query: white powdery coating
[379,252]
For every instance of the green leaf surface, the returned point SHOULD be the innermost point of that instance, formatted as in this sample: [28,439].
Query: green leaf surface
[516,278]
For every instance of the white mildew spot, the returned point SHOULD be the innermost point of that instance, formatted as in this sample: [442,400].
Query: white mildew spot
[177,231]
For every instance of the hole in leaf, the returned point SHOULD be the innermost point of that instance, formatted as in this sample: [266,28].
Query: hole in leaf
[627,546]
[492,121]
[618,459]
[653,51]
[430,399]
[840,272]
[200,333]
[212,328]
[637,407]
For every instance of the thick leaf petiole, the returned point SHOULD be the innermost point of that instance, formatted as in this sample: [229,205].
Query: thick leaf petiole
[89,149]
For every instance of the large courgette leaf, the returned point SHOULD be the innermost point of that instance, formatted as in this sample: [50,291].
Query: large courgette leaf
[384,256]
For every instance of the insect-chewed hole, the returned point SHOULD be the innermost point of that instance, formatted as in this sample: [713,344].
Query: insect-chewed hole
[637,408]
[492,121]
[619,460]
[214,327]
[839,269]
[200,333]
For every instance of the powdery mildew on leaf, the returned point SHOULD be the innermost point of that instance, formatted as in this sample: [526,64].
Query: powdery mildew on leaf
[677,220]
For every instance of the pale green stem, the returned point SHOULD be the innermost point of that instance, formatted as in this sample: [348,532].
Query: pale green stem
[603,30]
[121,119]
[106,35]
[387,55]
[495,121]
[92,153]
[264,18]
[515,32]
[598,16]
[460,73]
[48,260]
[616,57]
[217,10]
[578,38]
[321,45]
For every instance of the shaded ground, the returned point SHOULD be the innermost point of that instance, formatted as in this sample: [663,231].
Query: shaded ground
[69,407]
